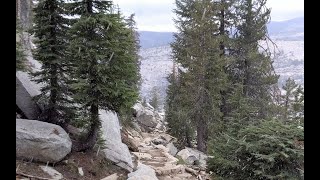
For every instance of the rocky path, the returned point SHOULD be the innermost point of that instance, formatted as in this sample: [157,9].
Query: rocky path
[154,153]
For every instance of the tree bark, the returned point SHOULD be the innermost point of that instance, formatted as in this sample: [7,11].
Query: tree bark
[201,132]
[223,106]
[92,134]
[94,105]
[188,139]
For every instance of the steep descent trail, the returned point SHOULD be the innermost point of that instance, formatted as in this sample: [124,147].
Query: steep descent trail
[152,152]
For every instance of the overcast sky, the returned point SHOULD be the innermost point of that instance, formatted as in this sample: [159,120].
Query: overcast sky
[157,15]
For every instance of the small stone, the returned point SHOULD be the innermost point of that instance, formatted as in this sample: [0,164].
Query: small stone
[80,171]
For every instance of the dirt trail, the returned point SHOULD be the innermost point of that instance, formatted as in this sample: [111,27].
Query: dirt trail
[158,158]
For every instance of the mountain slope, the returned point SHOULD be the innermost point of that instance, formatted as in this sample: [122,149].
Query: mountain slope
[156,62]
[292,29]
[150,39]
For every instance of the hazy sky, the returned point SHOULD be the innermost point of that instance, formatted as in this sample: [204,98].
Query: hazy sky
[157,15]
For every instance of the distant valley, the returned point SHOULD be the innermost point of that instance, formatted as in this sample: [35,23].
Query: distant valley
[156,62]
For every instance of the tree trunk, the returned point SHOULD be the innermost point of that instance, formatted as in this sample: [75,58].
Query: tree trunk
[188,139]
[52,113]
[201,143]
[94,109]
[223,106]
[92,134]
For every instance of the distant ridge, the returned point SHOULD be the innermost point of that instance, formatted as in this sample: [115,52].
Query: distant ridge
[292,29]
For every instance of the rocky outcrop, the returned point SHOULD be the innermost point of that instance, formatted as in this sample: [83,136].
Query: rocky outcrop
[143,172]
[25,91]
[190,156]
[115,150]
[41,141]
[187,157]
[172,149]
[148,119]
[129,140]
[201,157]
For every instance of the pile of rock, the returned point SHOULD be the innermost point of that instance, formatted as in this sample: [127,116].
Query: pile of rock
[45,142]
[148,119]
[193,157]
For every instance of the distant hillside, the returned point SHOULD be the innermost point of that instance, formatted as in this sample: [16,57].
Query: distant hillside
[290,30]
[150,39]
[156,62]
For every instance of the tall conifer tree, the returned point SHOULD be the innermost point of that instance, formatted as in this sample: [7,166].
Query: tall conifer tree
[101,47]
[252,72]
[51,42]
[197,49]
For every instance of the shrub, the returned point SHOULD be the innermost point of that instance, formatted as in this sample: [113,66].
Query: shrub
[268,150]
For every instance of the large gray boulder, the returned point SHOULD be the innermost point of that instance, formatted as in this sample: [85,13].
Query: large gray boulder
[41,141]
[25,91]
[146,117]
[201,157]
[143,172]
[115,150]
[190,155]
[187,157]
[138,108]
[172,149]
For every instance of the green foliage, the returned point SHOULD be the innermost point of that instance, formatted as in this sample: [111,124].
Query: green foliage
[298,104]
[103,49]
[292,101]
[224,78]
[20,54]
[155,98]
[180,160]
[251,68]
[126,117]
[105,70]
[269,150]
[50,28]
[134,50]
[197,49]
[101,142]
[179,122]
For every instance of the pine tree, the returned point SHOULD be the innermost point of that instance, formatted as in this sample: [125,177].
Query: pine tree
[155,98]
[179,122]
[269,150]
[134,49]
[298,105]
[292,101]
[288,98]
[50,32]
[105,67]
[252,70]
[197,49]
[20,54]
